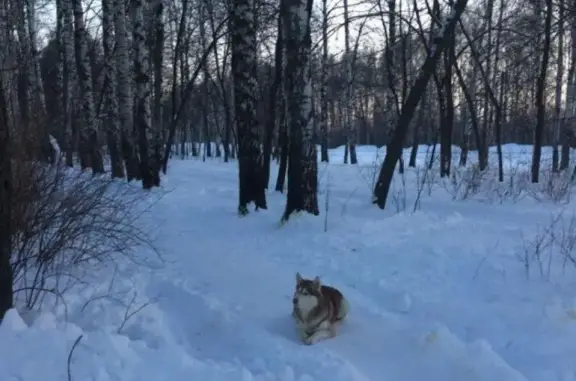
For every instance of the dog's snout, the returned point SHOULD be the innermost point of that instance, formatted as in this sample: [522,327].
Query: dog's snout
[294,301]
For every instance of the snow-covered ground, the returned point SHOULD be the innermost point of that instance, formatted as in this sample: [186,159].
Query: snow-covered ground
[453,291]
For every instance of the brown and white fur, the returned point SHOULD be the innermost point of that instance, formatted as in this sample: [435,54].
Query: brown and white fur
[317,309]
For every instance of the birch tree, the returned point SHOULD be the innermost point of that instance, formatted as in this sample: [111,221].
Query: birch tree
[274,90]
[323,122]
[89,146]
[540,96]
[244,60]
[569,125]
[559,83]
[149,167]
[303,164]
[157,61]
[351,130]
[125,91]
[6,276]
[111,121]
[69,83]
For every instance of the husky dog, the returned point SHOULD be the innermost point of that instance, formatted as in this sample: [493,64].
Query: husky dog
[317,309]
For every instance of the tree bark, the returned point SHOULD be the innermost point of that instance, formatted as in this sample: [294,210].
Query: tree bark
[110,99]
[274,89]
[6,274]
[303,162]
[244,74]
[540,99]
[90,154]
[149,167]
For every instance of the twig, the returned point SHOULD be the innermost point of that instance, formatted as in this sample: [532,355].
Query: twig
[128,315]
[70,356]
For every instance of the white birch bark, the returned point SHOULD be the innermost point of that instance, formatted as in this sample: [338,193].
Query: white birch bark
[90,155]
[323,85]
[244,60]
[559,84]
[39,103]
[158,59]
[69,74]
[303,165]
[111,121]
[24,63]
[125,90]
[350,126]
[143,118]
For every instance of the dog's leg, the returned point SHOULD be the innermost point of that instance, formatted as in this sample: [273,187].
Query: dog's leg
[325,331]
[318,336]
[303,334]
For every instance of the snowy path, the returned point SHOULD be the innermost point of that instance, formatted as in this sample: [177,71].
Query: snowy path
[249,274]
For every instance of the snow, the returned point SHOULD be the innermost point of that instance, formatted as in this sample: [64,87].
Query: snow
[438,294]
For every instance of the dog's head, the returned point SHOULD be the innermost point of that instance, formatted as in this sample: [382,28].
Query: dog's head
[307,293]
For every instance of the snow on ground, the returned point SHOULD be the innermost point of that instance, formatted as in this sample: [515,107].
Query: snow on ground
[441,293]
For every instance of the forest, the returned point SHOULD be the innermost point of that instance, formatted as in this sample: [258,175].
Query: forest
[119,89]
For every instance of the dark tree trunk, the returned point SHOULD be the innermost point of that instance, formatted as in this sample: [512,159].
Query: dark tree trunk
[471,110]
[272,120]
[421,115]
[540,99]
[448,124]
[6,275]
[110,98]
[283,143]
[323,85]
[244,60]
[395,147]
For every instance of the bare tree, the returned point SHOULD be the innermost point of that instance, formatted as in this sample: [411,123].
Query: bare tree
[559,83]
[90,155]
[439,43]
[111,120]
[149,166]
[323,122]
[6,298]
[244,60]
[125,92]
[540,96]
[303,164]
[348,107]
[69,74]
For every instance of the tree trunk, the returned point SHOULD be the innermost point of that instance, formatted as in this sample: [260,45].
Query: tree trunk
[559,83]
[69,76]
[125,92]
[569,127]
[110,99]
[6,275]
[447,126]
[540,99]
[303,161]
[272,119]
[149,167]
[283,146]
[323,86]
[350,127]
[158,62]
[244,74]
[90,155]
[395,147]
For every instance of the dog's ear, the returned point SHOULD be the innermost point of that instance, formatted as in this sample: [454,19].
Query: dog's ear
[317,283]
[298,278]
